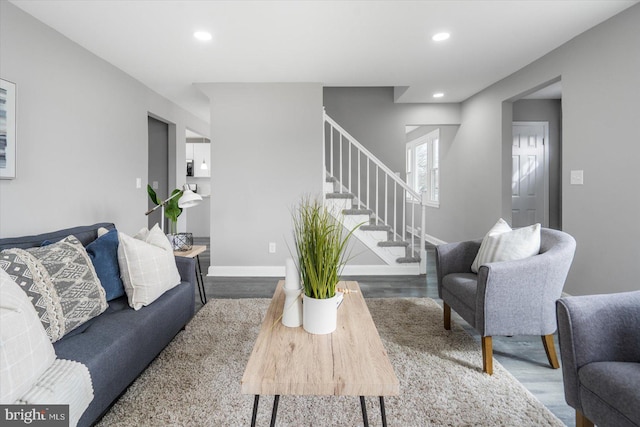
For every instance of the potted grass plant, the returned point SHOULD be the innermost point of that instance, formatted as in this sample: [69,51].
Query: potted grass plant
[321,249]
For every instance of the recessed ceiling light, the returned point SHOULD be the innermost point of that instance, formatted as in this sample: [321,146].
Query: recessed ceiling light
[438,95]
[202,35]
[440,37]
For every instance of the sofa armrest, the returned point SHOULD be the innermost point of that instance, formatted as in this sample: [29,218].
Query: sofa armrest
[596,328]
[455,257]
[187,269]
[601,328]
[518,297]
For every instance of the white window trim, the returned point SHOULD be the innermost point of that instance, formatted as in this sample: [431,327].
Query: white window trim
[429,139]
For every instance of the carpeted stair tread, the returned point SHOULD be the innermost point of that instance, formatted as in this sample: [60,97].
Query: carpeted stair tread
[374,227]
[393,244]
[340,195]
[357,211]
[407,260]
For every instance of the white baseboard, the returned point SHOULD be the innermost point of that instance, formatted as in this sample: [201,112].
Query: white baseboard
[278,271]
[246,271]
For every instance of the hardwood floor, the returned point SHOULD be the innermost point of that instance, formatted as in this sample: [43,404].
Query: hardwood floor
[523,357]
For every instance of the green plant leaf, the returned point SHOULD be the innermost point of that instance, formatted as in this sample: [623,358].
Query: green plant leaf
[152,195]
[171,209]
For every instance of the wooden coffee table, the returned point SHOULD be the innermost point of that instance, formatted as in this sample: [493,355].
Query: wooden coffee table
[349,362]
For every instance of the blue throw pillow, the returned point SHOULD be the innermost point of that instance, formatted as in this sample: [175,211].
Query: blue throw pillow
[104,254]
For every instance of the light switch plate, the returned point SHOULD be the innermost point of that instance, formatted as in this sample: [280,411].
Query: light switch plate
[577,177]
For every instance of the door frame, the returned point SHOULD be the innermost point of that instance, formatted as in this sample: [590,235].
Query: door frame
[545,125]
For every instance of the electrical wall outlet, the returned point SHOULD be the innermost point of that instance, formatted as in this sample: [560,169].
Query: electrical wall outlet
[154,185]
[138,182]
[272,247]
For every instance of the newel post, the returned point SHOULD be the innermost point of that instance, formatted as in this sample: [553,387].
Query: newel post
[423,225]
[324,149]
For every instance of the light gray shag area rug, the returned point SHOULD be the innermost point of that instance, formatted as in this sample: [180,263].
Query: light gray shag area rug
[195,381]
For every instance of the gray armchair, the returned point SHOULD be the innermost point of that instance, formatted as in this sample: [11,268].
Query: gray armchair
[506,298]
[600,350]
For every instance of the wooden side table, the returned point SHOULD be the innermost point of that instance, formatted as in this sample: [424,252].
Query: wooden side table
[195,252]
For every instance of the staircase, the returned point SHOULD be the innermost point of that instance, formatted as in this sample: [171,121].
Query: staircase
[361,191]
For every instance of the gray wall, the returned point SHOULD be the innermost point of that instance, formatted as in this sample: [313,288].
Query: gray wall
[266,152]
[81,133]
[600,72]
[547,110]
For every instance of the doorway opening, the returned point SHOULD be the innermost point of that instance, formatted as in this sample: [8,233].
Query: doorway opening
[536,157]
[158,167]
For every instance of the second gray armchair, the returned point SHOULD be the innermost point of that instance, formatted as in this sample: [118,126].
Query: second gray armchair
[600,348]
[506,298]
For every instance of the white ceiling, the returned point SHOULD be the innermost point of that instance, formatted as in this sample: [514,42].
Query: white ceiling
[336,43]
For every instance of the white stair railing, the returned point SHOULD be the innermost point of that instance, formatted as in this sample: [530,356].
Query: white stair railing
[375,187]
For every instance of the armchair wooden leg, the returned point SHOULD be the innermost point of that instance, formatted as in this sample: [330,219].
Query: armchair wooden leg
[550,349]
[582,421]
[447,316]
[487,355]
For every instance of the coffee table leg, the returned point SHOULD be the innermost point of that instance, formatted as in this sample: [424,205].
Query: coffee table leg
[365,419]
[276,399]
[255,410]
[383,412]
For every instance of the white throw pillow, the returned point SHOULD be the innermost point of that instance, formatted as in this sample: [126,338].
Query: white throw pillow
[147,266]
[503,244]
[25,349]
[500,227]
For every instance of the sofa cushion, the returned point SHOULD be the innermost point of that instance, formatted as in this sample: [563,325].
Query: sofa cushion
[25,350]
[147,266]
[609,391]
[503,244]
[104,255]
[61,282]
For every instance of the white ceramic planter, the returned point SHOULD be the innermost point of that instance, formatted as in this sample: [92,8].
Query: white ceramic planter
[319,316]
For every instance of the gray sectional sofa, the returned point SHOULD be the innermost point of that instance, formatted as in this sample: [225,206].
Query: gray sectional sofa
[117,345]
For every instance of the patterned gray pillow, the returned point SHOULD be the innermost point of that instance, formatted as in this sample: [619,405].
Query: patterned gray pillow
[60,281]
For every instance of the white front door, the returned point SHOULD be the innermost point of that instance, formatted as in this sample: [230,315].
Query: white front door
[529,178]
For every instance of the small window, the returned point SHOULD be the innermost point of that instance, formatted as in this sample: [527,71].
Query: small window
[423,174]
